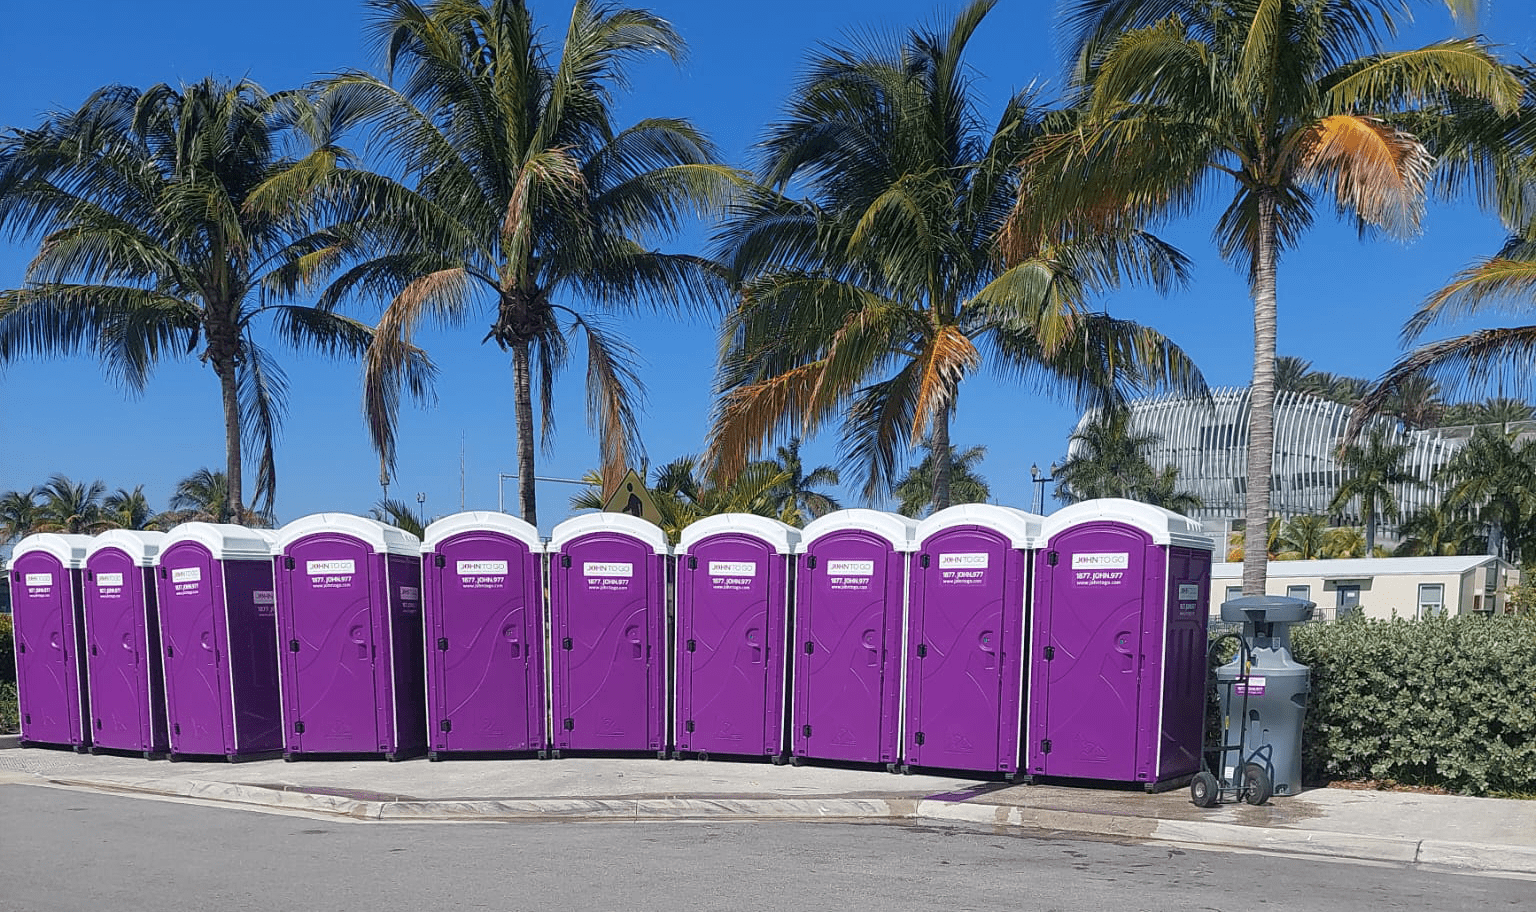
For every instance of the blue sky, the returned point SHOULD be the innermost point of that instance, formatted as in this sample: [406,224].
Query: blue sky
[1342,300]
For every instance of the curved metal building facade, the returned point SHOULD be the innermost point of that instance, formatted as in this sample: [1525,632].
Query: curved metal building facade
[1208,441]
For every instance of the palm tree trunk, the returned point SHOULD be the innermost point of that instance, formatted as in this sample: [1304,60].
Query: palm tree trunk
[943,463]
[1261,403]
[1370,527]
[224,366]
[522,384]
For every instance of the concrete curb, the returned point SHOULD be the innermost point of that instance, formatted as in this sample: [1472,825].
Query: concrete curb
[1461,857]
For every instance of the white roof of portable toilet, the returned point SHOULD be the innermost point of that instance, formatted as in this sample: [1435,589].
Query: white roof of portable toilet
[1165,526]
[782,536]
[69,549]
[587,523]
[481,521]
[900,531]
[225,541]
[1022,529]
[142,547]
[385,539]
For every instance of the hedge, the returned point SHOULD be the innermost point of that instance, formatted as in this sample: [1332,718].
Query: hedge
[1448,702]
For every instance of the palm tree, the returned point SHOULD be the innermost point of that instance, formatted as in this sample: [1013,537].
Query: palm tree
[203,497]
[1237,541]
[1161,489]
[1372,473]
[172,221]
[1110,459]
[125,509]
[1439,531]
[914,490]
[527,200]
[870,301]
[684,493]
[1292,373]
[1288,99]
[1303,537]
[19,514]
[1494,475]
[799,496]
[399,514]
[71,506]
[1345,542]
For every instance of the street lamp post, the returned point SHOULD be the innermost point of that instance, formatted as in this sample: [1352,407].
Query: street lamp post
[1040,482]
[421,507]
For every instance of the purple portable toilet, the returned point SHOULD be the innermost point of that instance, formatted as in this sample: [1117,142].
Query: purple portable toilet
[849,611]
[1117,678]
[122,634]
[484,617]
[218,624]
[607,604]
[48,614]
[732,617]
[965,638]
[349,636]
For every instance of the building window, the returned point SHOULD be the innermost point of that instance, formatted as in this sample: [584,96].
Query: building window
[1431,599]
[1348,602]
[1301,592]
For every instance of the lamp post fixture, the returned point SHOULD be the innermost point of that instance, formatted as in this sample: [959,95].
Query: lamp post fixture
[1040,482]
[421,507]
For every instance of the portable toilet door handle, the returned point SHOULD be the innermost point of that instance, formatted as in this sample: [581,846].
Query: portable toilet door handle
[1123,645]
[133,653]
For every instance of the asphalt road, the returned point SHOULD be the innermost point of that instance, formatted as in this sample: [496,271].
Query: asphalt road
[65,850]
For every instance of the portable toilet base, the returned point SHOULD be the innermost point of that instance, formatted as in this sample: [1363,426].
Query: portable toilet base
[969,591]
[608,615]
[352,669]
[1118,645]
[48,613]
[846,644]
[482,586]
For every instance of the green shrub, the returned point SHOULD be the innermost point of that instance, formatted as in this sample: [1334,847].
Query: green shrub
[7,651]
[1449,702]
[9,720]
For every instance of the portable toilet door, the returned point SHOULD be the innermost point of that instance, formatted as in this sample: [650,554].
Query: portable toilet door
[48,614]
[607,579]
[965,638]
[1117,688]
[219,629]
[350,637]
[122,633]
[484,617]
[849,613]
[732,614]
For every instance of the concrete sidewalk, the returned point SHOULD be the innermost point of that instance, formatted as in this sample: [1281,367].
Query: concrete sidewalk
[1467,835]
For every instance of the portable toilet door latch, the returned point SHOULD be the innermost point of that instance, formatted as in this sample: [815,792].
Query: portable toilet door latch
[1050,653]
[810,562]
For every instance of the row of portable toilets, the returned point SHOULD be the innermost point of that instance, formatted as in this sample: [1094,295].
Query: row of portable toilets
[983,639]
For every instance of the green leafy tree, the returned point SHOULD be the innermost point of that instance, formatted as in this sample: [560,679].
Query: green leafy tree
[401,515]
[1303,538]
[1282,100]
[1494,475]
[1162,490]
[1109,459]
[526,203]
[125,509]
[71,506]
[801,496]
[1343,542]
[19,514]
[1439,531]
[1373,471]
[203,496]
[914,490]
[869,301]
[172,225]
